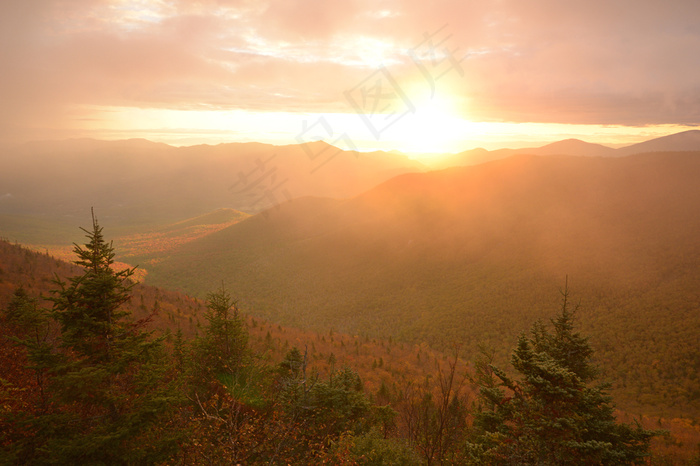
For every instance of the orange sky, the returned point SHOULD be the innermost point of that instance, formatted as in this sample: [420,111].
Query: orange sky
[390,74]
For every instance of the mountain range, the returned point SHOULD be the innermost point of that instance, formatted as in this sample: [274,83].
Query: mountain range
[48,186]
[140,182]
[376,244]
[683,141]
[472,255]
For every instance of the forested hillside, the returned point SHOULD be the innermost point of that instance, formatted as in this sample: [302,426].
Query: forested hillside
[378,361]
[469,254]
[222,387]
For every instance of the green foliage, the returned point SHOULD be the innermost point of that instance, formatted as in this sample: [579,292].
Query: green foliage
[293,365]
[340,404]
[89,306]
[220,352]
[23,311]
[329,407]
[373,449]
[552,414]
[24,379]
[32,328]
[105,391]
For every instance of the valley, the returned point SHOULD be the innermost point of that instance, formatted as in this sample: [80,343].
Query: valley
[473,255]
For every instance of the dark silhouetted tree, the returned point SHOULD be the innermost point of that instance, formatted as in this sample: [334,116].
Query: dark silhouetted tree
[109,390]
[553,414]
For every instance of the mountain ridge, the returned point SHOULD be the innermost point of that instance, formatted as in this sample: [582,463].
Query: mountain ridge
[682,141]
[138,184]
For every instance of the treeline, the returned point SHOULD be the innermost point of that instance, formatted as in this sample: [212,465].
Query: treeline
[84,382]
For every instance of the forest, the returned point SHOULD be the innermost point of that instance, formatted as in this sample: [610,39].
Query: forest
[469,255]
[97,369]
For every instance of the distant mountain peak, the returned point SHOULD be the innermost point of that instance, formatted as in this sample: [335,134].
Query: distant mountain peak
[569,140]
[317,143]
[574,146]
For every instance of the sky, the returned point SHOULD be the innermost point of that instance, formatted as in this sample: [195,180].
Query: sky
[410,75]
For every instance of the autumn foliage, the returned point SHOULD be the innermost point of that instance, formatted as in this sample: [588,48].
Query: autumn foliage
[99,369]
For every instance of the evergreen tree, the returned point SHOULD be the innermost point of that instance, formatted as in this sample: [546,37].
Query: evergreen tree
[32,330]
[109,388]
[26,357]
[179,351]
[221,353]
[292,365]
[232,420]
[89,306]
[552,415]
[320,411]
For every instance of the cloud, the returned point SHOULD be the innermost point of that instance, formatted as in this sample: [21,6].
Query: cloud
[610,62]
[617,62]
[309,19]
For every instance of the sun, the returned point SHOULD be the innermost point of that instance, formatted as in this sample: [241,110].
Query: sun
[434,127]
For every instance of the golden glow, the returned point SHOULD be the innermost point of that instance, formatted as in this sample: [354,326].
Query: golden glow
[434,127]
[187,127]
[181,72]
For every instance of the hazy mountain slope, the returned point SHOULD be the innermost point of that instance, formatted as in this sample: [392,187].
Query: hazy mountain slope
[684,141]
[137,181]
[565,147]
[377,361]
[475,254]
[167,238]
[533,201]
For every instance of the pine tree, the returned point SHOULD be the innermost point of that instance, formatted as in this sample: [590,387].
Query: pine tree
[221,352]
[292,365]
[32,330]
[110,390]
[89,306]
[554,414]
